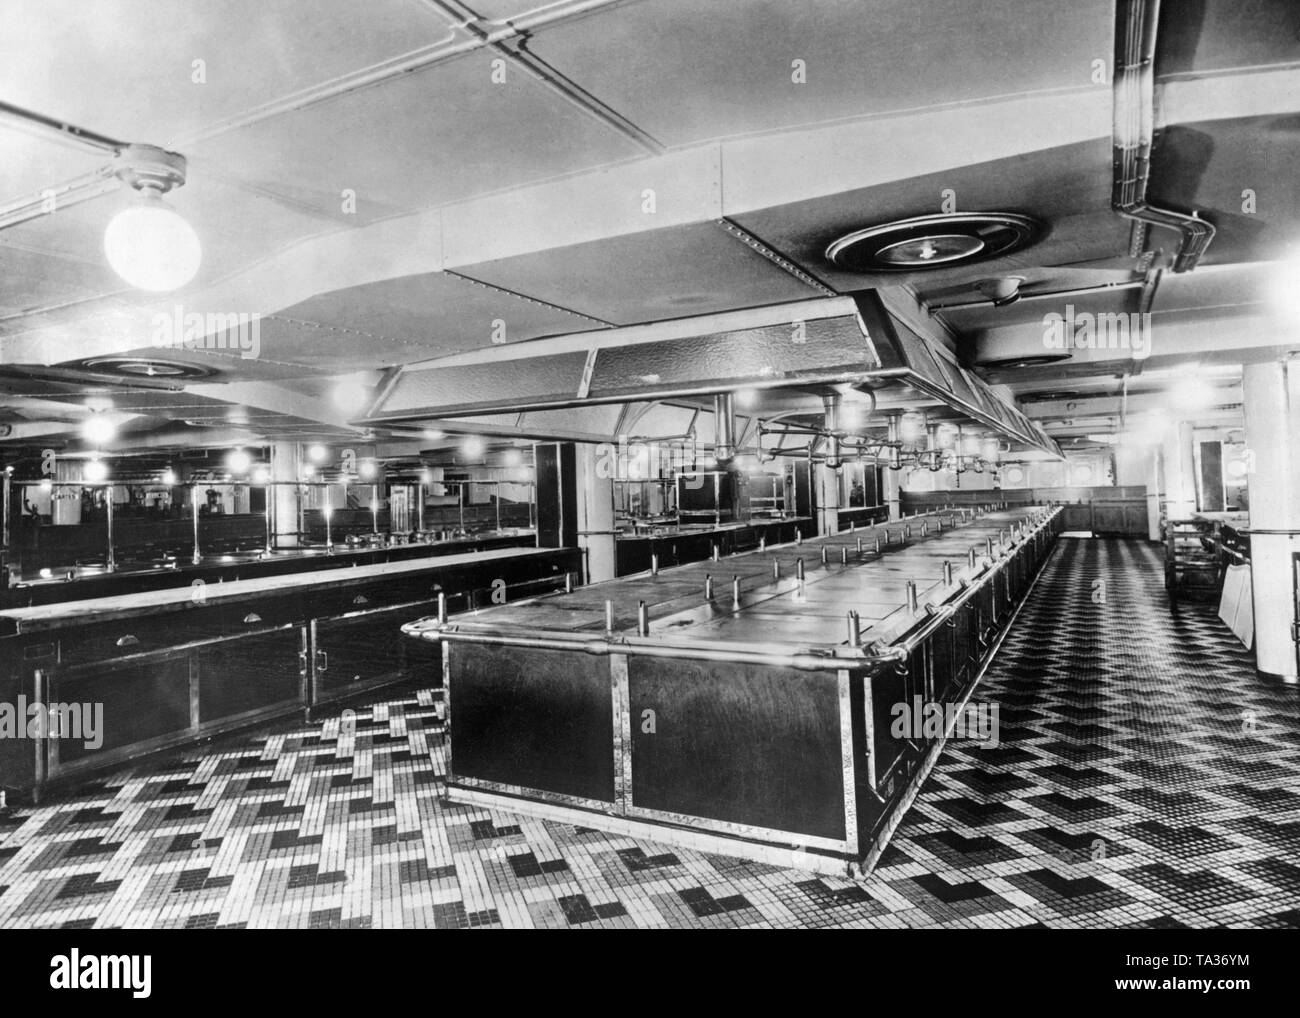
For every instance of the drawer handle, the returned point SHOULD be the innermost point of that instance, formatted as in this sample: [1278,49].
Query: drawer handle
[322,661]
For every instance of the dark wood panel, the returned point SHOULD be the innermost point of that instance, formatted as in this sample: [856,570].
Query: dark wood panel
[738,743]
[534,718]
[141,702]
[248,674]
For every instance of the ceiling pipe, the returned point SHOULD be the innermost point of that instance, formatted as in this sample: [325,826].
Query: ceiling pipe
[724,427]
[1134,131]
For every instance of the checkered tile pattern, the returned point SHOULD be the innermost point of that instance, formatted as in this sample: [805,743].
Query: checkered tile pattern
[1145,777]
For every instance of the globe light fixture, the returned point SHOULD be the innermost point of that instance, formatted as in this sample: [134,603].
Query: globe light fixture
[149,244]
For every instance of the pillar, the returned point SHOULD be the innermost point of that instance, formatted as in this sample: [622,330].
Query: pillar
[65,505]
[828,499]
[1272,410]
[1153,495]
[595,503]
[891,483]
[1180,480]
[286,465]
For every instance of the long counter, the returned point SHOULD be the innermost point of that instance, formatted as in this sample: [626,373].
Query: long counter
[171,666]
[679,545]
[98,582]
[741,705]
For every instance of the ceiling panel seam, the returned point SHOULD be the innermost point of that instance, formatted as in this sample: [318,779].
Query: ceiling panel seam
[528,299]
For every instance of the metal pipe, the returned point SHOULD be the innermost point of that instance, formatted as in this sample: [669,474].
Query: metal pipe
[735,591]
[724,427]
[268,497]
[419,506]
[823,554]
[642,620]
[442,608]
[844,555]
[654,564]
[8,496]
[855,630]
[568,583]
[947,573]
[911,595]
[609,616]
[798,569]
[197,556]
[776,569]
[708,588]
[1134,133]
[111,561]
[831,405]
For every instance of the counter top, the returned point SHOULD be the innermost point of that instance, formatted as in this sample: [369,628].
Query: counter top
[15,621]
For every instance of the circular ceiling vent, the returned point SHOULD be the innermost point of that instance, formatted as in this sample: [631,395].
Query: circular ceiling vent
[146,367]
[931,242]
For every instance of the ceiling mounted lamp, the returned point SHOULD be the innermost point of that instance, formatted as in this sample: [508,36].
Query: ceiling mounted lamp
[149,244]
[1002,291]
[932,242]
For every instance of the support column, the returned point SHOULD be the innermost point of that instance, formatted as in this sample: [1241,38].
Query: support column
[65,501]
[1180,481]
[1153,495]
[891,483]
[595,504]
[1272,410]
[828,499]
[286,465]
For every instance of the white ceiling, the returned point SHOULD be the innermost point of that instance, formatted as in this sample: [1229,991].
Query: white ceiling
[524,201]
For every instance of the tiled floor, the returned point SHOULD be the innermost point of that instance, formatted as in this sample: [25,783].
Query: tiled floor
[1145,777]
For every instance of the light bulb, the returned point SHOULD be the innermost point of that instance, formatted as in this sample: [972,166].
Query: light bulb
[98,429]
[317,453]
[151,246]
[169,477]
[472,446]
[94,471]
[238,461]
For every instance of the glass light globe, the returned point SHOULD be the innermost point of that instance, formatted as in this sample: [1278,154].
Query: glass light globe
[98,429]
[151,246]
